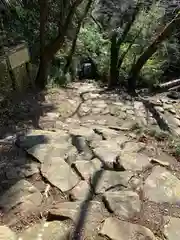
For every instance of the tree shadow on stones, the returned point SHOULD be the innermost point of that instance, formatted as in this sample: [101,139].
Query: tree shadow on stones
[16,166]
[83,213]
[156,115]
[18,114]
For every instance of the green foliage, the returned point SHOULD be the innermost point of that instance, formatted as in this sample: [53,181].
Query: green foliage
[177,149]
[91,43]
[158,134]
[146,27]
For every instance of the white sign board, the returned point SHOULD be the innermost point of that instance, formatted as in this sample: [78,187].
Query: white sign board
[18,57]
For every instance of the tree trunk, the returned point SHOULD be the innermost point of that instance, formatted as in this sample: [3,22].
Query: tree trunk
[115,46]
[114,73]
[149,52]
[71,53]
[170,84]
[41,78]
[122,57]
[52,48]
[129,25]
[48,52]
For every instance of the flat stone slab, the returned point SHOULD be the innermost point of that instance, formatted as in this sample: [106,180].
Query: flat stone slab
[59,174]
[119,230]
[82,147]
[162,186]
[89,214]
[108,157]
[108,144]
[106,133]
[23,194]
[37,137]
[110,179]
[123,203]
[172,228]
[87,133]
[133,147]
[20,167]
[26,170]
[88,169]
[81,191]
[7,234]
[55,230]
[44,152]
[133,161]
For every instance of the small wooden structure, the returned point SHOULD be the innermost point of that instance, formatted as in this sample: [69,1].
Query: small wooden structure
[16,61]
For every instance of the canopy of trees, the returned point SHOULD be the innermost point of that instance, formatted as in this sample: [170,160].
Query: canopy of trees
[134,42]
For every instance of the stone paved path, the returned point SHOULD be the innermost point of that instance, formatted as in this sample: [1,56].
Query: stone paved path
[86,175]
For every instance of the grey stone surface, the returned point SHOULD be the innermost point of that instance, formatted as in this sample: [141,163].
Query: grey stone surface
[119,230]
[59,173]
[133,161]
[124,204]
[44,152]
[162,186]
[27,170]
[20,167]
[107,130]
[23,194]
[91,214]
[110,179]
[82,147]
[37,137]
[55,230]
[108,144]
[161,163]
[87,133]
[108,157]
[159,109]
[81,191]
[88,169]
[133,147]
[71,155]
[171,228]
[106,133]
[7,234]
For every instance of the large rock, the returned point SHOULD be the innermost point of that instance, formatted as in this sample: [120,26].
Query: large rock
[119,230]
[20,167]
[108,144]
[23,194]
[16,172]
[133,161]
[109,179]
[171,228]
[87,133]
[124,204]
[7,234]
[87,216]
[55,230]
[106,133]
[133,147]
[37,137]
[66,108]
[44,152]
[59,173]
[108,157]
[82,146]
[88,169]
[81,191]
[161,186]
